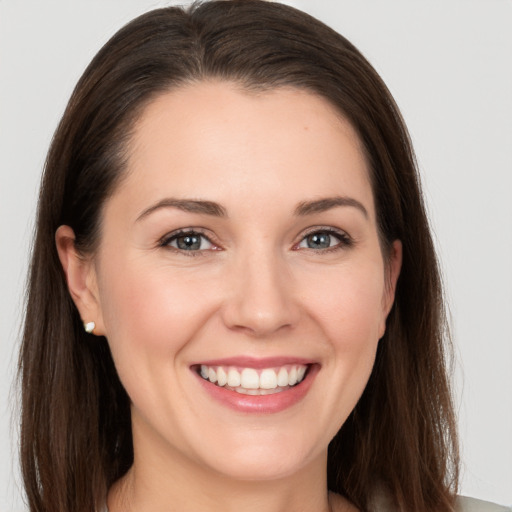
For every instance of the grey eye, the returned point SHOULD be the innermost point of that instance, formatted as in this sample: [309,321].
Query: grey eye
[190,242]
[319,240]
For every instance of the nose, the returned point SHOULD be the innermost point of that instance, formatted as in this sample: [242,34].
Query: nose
[260,296]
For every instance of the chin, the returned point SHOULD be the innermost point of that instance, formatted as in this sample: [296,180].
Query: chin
[260,467]
[263,456]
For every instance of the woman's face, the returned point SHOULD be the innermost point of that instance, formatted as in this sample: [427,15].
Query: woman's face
[242,248]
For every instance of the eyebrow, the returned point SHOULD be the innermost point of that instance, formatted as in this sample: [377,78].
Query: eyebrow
[324,204]
[186,205]
[216,210]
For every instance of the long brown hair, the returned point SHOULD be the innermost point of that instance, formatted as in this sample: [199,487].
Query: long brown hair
[75,426]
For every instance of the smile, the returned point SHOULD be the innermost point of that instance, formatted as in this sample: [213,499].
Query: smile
[256,385]
[251,381]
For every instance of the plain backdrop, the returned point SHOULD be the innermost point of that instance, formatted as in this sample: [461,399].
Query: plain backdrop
[449,65]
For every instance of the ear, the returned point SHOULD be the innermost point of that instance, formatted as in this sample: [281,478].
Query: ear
[81,278]
[392,268]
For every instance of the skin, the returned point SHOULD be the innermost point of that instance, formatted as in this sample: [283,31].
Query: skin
[255,288]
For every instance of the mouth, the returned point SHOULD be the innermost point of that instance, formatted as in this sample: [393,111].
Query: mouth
[249,385]
[253,381]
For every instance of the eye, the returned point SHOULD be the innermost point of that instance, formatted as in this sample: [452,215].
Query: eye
[324,239]
[191,241]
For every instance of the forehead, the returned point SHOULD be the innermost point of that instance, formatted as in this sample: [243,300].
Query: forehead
[216,139]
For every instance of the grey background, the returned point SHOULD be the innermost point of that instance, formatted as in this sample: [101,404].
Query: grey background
[448,64]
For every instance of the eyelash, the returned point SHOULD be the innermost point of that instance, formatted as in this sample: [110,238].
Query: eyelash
[167,239]
[344,241]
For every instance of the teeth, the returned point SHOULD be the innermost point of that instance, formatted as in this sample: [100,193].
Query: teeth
[268,379]
[250,379]
[244,391]
[233,378]
[292,376]
[254,382]
[222,377]
[282,377]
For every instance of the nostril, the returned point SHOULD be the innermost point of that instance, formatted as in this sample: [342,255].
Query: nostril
[259,322]
[260,301]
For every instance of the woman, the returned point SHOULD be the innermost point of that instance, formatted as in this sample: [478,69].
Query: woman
[234,299]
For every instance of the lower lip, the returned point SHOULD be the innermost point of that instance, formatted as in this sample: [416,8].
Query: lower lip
[261,404]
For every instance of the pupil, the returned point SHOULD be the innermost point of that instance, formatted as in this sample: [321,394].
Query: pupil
[319,241]
[189,242]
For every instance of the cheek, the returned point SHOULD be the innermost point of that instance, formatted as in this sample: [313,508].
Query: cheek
[150,310]
[151,314]
[348,304]
[351,315]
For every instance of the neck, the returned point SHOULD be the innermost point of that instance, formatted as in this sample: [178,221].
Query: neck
[179,484]
[168,477]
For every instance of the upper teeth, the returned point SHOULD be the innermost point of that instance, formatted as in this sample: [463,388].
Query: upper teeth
[250,378]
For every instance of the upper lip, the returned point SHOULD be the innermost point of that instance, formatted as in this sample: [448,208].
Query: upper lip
[256,363]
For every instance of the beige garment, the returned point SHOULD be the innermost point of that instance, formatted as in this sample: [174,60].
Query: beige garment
[465,504]
[382,503]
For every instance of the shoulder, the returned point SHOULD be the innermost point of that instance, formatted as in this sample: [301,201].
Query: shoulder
[465,504]
[382,503]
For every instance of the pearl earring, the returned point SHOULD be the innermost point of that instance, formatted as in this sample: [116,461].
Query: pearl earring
[89,327]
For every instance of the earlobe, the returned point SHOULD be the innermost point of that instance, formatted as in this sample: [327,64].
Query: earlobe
[81,279]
